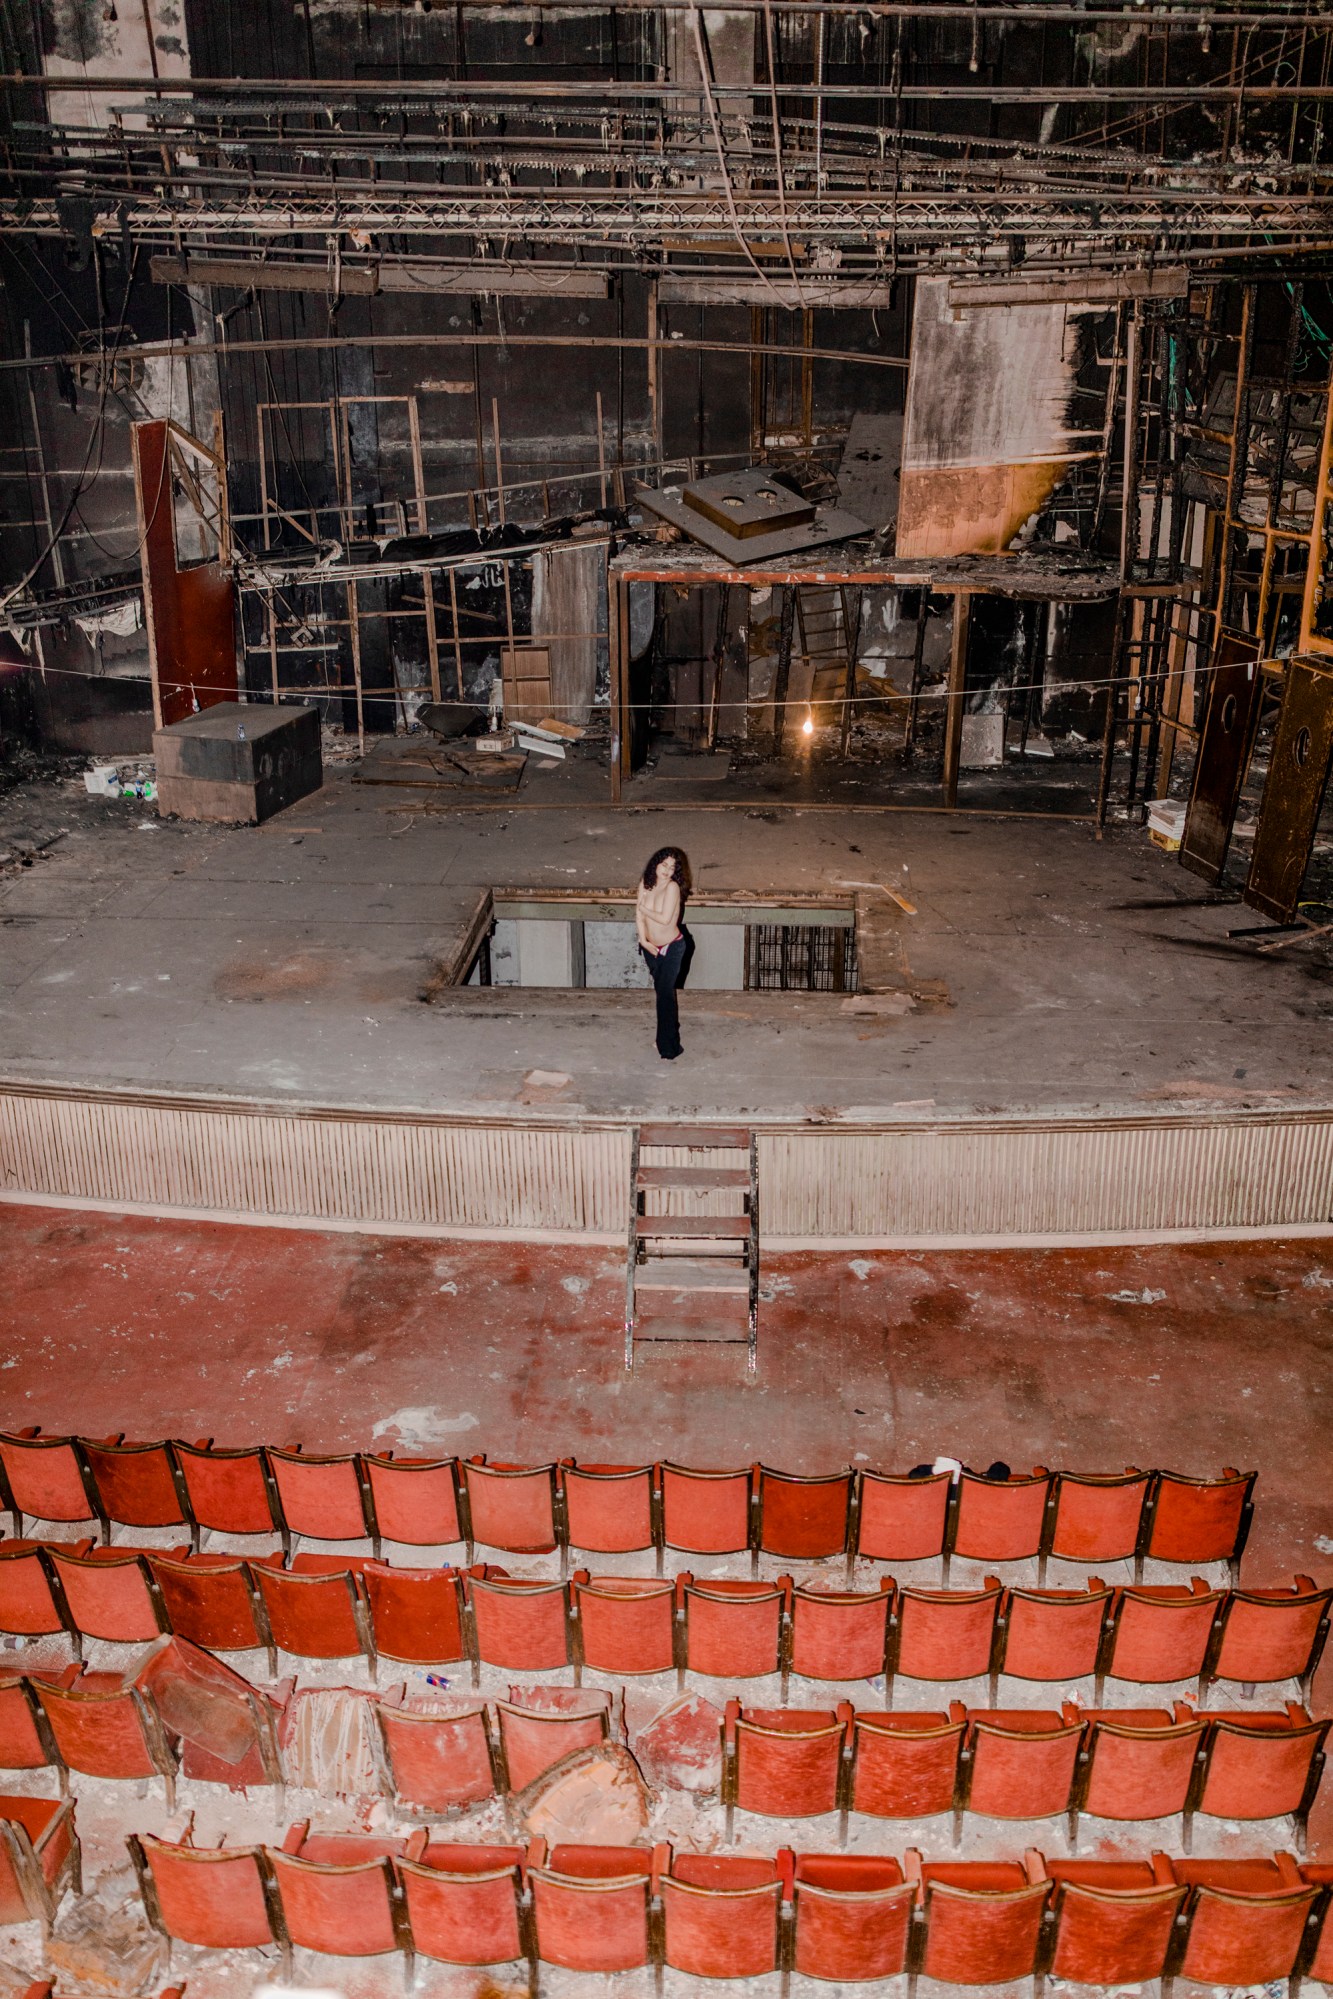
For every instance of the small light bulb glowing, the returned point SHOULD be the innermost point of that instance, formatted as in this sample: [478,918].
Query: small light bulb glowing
[808,725]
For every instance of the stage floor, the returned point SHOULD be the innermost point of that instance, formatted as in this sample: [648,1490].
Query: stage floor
[300,962]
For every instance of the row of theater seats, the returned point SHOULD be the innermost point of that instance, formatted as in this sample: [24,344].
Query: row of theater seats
[1022,1763]
[614,1509]
[829,1916]
[327,1606]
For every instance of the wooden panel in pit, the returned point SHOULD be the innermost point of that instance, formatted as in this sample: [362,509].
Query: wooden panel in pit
[748,503]
[527,684]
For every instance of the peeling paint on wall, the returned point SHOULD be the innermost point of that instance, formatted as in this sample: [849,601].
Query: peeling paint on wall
[988,432]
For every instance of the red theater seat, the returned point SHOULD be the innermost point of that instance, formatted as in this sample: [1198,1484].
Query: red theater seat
[513,1507]
[1246,1920]
[438,1763]
[323,1498]
[213,1897]
[1161,1633]
[944,1635]
[1199,1519]
[26,1742]
[906,1766]
[625,1624]
[416,1615]
[416,1501]
[315,1610]
[723,1914]
[523,1626]
[110,1593]
[902,1519]
[212,1601]
[998,1520]
[710,1512]
[785,1762]
[230,1491]
[1113,1920]
[1020,1763]
[531,1740]
[39,1859]
[32,1604]
[804,1519]
[1054,1634]
[47,1478]
[1096,1518]
[1137,1763]
[853,1916]
[592,1906]
[1264,1635]
[103,1725]
[983,1920]
[735,1630]
[464,1903]
[611,1509]
[1263,1766]
[138,1484]
[839,1634]
[337,1895]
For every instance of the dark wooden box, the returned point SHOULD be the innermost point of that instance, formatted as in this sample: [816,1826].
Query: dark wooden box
[238,762]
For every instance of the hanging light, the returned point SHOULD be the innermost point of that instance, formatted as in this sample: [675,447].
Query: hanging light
[808,725]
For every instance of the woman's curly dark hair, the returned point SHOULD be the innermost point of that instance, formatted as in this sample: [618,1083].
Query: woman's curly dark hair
[676,854]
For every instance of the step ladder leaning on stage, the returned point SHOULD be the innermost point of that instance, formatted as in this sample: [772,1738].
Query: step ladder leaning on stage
[691,1253]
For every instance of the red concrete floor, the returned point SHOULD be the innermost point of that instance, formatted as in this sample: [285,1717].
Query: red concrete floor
[1192,1356]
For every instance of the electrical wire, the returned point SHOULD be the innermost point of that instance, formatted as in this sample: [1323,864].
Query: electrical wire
[705,79]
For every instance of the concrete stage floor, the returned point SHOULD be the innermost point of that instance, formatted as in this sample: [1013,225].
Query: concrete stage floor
[300,961]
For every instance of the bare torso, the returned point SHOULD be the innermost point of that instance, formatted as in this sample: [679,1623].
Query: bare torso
[657,913]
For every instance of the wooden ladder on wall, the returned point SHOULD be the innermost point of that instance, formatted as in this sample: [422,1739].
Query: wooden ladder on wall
[675,1248]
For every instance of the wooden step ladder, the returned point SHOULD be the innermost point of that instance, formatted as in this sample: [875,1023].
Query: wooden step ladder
[687,1253]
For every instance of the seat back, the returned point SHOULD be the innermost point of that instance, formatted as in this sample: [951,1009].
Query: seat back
[708,1512]
[1262,1766]
[945,1634]
[48,1479]
[1266,1635]
[415,1501]
[105,1731]
[1112,1936]
[610,1509]
[210,1600]
[1021,1764]
[26,1742]
[530,1741]
[39,1858]
[463,1904]
[110,1594]
[138,1484]
[999,1520]
[524,1626]
[229,1491]
[804,1519]
[734,1630]
[721,1921]
[902,1519]
[415,1614]
[1054,1634]
[1161,1633]
[982,1935]
[1200,1519]
[323,1498]
[906,1766]
[784,1763]
[32,1604]
[314,1615]
[1240,1938]
[215,1897]
[1096,1519]
[591,1924]
[625,1624]
[347,1909]
[438,1762]
[1139,1764]
[853,1917]
[512,1506]
[839,1634]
